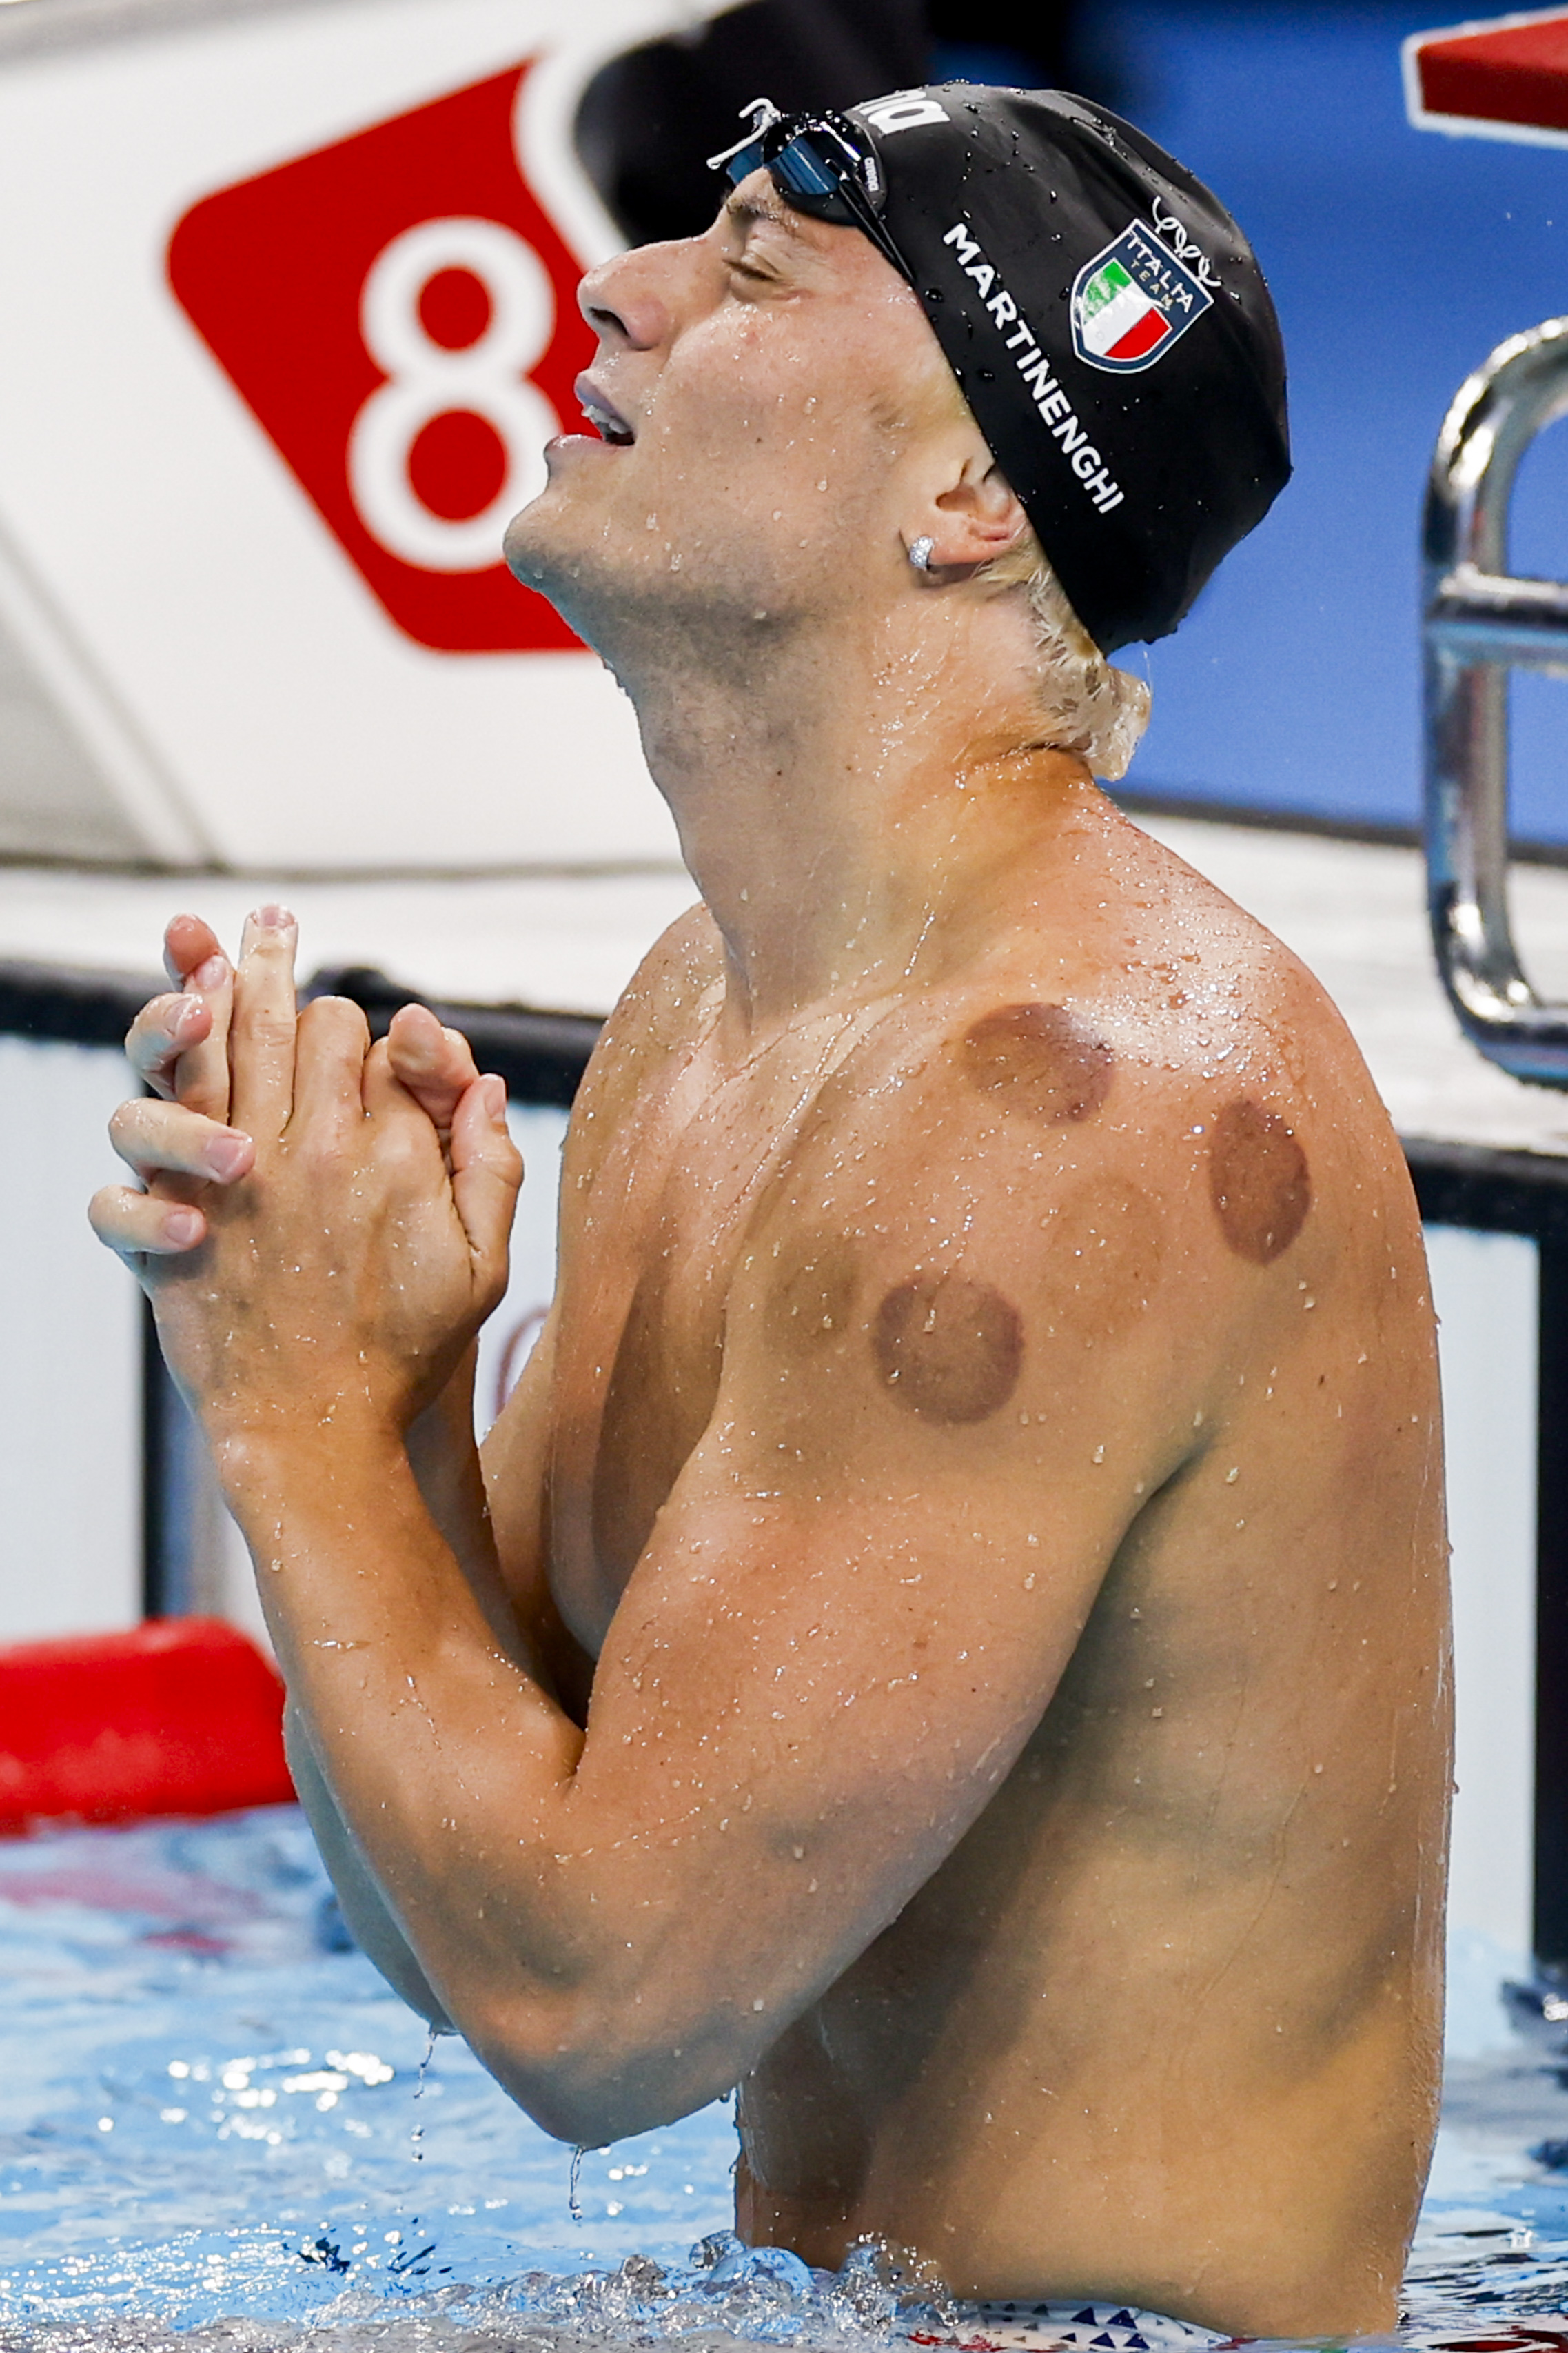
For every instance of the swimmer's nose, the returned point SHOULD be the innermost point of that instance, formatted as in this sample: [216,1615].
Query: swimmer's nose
[621,305]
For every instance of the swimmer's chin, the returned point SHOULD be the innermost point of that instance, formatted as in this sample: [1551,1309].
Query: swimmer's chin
[564,454]
[536,560]
[520,545]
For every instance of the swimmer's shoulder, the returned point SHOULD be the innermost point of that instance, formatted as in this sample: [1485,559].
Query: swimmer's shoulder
[661,1015]
[1193,951]
[1240,1046]
[1227,1003]
[1148,1036]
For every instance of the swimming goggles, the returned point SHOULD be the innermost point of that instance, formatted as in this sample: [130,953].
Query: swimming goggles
[821,164]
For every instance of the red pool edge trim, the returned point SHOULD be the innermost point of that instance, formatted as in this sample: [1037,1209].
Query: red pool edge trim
[1506,78]
[182,1716]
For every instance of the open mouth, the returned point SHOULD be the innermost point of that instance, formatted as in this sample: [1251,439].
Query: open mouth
[606,421]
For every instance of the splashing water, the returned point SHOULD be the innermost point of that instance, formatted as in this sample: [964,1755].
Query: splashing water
[417,2132]
[205,2097]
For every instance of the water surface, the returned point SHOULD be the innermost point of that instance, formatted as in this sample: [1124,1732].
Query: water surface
[213,2134]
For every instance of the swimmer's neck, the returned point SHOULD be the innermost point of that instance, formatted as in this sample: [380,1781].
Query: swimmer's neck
[854,801]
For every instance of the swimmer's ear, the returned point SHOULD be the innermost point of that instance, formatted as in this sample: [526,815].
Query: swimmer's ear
[974,520]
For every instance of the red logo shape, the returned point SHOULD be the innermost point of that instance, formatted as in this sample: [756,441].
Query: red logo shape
[401,317]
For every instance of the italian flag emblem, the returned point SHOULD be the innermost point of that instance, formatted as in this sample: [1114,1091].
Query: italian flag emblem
[1132,302]
[1120,321]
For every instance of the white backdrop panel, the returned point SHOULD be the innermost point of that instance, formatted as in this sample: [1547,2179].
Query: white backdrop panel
[1484,1287]
[247,699]
[71,1356]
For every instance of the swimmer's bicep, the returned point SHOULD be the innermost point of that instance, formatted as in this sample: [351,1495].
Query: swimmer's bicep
[845,1624]
[799,1710]
[881,1517]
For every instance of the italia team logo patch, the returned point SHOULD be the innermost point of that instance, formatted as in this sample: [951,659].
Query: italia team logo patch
[1133,302]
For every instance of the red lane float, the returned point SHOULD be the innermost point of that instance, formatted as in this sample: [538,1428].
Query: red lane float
[1506,78]
[182,1715]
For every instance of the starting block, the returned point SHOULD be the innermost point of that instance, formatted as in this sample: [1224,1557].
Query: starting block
[1506,78]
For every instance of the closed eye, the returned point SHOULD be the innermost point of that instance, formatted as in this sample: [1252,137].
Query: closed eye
[747,228]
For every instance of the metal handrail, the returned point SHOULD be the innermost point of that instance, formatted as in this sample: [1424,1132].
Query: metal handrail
[1478,624]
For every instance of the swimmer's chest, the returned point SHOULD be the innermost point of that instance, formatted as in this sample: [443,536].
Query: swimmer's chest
[643,1319]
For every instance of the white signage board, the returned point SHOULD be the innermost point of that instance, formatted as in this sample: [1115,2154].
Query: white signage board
[289,293]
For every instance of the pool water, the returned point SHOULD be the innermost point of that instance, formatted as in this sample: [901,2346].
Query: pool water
[215,2131]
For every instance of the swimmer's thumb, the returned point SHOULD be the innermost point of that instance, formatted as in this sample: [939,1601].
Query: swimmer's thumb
[486,1173]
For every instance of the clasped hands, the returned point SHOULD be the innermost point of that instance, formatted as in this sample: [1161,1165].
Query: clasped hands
[321,1223]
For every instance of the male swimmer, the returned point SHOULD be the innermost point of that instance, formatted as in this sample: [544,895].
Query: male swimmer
[949,1633]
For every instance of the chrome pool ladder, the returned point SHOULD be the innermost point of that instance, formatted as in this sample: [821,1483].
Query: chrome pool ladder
[1478,624]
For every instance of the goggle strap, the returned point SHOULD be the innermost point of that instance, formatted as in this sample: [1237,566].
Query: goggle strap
[764,114]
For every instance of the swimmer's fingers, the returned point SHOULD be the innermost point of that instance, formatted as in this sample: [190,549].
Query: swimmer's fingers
[134,1225]
[262,1032]
[435,1064]
[487,1176]
[178,1045]
[164,1139]
[201,1075]
[164,1030]
[188,942]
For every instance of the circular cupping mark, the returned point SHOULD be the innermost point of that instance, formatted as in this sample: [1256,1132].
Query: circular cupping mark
[1040,1060]
[1259,1181]
[948,1349]
[813,1301]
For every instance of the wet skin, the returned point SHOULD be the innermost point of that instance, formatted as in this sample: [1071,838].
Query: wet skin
[957,1644]
[1162,2023]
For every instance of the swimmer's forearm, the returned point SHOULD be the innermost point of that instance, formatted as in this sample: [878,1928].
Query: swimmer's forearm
[443,1457]
[370,1922]
[441,1752]
[621,1920]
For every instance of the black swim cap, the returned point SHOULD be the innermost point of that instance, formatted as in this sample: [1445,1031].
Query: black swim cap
[1110,327]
